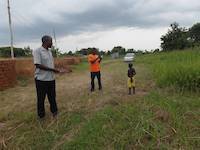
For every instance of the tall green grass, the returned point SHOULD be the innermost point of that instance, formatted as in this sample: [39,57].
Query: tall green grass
[178,69]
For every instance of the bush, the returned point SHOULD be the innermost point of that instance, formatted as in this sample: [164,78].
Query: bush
[18,52]
[178,69]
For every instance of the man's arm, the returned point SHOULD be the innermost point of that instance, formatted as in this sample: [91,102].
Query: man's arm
[46,68]
[94,60]
[134,72]
[37,62]
[100,59]
[129,74]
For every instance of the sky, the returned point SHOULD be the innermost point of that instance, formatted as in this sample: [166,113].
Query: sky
[137,24]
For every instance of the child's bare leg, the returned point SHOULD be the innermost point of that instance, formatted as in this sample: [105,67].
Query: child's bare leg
[129,91]
[133,90]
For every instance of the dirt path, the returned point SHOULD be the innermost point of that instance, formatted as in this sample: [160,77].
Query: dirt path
[73,90]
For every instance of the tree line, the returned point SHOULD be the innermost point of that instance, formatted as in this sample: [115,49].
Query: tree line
[27,51]
[18,52]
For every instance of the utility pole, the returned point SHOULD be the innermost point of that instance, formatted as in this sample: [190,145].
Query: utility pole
[54,35]
[11,31]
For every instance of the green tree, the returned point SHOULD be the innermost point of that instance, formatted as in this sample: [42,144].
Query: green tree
[55,51]
[119,49]
[175,38]
[28,51]
[102,53]
[131,50]
[83,51]
[86,51]
[194,33]
[70,53]
[156,50]
[108,53]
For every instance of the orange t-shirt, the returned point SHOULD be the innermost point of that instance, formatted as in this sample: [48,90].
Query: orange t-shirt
[95,67]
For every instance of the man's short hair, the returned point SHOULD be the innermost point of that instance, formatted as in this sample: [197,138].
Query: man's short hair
[130,65]
[45,38]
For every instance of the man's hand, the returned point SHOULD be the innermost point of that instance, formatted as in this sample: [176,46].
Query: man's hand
[100,59]
[45,68]
[63,71]
[94,60]
[56,71]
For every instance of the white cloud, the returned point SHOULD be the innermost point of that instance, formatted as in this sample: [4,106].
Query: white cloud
[105,40]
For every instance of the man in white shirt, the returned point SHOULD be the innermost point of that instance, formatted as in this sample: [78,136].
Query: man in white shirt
[44,77]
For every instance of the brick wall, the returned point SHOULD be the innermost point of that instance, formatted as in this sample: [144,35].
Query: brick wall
[24,67]
[7,74]
[10,69]
[77,60]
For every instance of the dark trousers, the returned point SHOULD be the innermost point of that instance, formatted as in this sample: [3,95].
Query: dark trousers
[98,75]
[44,88]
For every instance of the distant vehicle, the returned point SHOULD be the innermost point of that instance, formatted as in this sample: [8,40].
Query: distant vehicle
[129,57]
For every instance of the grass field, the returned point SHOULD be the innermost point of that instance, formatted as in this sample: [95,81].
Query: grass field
[159,116]
[180,69]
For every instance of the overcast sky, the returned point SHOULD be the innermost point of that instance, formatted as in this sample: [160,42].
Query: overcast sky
[104,24]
